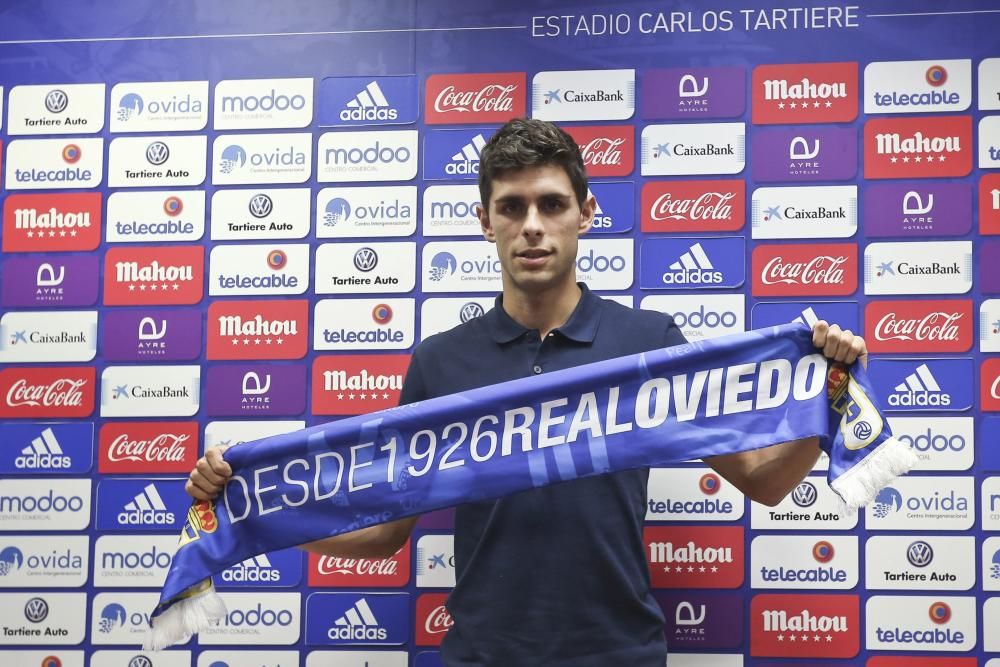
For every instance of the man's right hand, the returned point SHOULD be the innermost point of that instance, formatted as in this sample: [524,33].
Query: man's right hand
[209,475]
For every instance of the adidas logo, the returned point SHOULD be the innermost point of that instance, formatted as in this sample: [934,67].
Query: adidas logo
[369,104]
[466,161]
[43,452]
[358,622]
[693,268]
[808,318]
[258,568]
[919,389]
[601,221]
[147,508]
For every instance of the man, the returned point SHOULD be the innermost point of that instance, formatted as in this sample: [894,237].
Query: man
[555,576]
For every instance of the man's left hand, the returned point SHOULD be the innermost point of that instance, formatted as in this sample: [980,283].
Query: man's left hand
[839,344]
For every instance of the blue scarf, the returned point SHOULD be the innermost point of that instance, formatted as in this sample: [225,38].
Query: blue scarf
[730,394]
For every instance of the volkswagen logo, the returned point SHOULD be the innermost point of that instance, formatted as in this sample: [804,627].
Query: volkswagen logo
[471,311]
[920,554]
[56,101]
[804,494]
[140,661]
[365,260]
[261,205]
[36,610]
[157,153]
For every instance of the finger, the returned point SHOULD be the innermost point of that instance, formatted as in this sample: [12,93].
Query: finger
[820,330]
[218,464]
[857,351]
[844,345]
[196,491]
[208,473]
[832,340]
[203,484]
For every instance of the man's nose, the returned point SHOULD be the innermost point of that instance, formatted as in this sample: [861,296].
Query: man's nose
[532,222]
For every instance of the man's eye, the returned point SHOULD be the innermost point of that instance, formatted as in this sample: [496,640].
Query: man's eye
[509,209]
[553,205]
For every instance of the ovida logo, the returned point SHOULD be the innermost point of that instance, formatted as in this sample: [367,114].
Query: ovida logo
[805,494]
[130,106]
[157,153]
[889,501]
[36,610]
[995,566]
[147,508]
[357,623]
[11,560]
[470,311]
[365,259]
[443,265]
[920,388]
[920,554]
[337,210]
[42,454]
[56,101]
[260,205]
[234,157]
[113,616]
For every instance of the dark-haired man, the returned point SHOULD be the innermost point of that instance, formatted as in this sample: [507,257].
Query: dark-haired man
[556,576]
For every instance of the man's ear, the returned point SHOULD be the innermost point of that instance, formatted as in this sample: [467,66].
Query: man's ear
[485,224]
[587,209]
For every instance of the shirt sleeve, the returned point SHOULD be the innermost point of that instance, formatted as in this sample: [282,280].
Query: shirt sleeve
[673,336]
[413,386]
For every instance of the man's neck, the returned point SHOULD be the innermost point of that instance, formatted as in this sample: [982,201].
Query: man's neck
[543,311]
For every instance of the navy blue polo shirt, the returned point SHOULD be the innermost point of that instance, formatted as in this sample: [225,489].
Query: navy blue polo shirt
[555,576]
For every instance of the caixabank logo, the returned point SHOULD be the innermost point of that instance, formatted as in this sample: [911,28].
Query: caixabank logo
[435,561]
[49,281]
[812,505]
[363,324]
[164,106]
[475,98]
[56,109]
[920,623]
[357,384]
[805,154]
[700,317]
[343,619]
[792,94]
[364,268]
[614,209]
[805,626]
[257,390]
[64,222]
[263,103]
[50,448]
[246,159]
[693,206]
[357,100]
[147,447]
[691,494]
[250,214]
[157,161]
[376,212]
[161,275]
[50,391]
[235,432]
[923,384]
[918,147]
[701,148]
[989,204]
[918,209]
[771,313]
[697,620]
[923,562]
[44,561]
[925,326]
[141,505]
[924,503]
[46,619]
[154,216]
[54,164]
[796,561]
[693,92]
[249,270]
[940,443]
[121,618]
[44,505]
[938,267]
[454,154]
[692,263]
[152,335]
[272,329]
[829,211]
[432,620]
[607,150]
[607,94]
[918,86]
[274,569]
[62,336]
[339,572]
[150,391]
[695,557]
[384,155]
[817,269]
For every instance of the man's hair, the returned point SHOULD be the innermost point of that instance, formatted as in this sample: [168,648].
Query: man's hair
[529,142]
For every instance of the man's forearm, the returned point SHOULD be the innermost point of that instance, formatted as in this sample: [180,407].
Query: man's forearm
[381,541]
[768,475]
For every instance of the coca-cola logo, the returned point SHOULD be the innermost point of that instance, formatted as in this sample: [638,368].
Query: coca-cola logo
[821,270]
[607,150]
[944,325]
[602,151]
[384,567]
[438,621]
[475,98]
[64,392]
[936,326]
[493,97]
[707,206]
[163,447]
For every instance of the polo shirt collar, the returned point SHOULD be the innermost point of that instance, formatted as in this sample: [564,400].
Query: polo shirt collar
[581,325]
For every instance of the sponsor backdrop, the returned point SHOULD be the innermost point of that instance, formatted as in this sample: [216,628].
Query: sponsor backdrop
[229,225]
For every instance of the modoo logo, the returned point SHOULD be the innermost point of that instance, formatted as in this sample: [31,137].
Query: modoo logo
[256,103]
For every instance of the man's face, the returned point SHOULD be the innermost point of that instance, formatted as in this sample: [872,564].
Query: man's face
[535,221]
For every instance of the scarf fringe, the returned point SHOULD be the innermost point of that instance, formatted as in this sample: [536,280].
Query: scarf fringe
[185,617]
[859,485]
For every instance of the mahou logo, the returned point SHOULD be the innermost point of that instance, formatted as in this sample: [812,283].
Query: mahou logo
[695,557]
[166,275]
[52,222]
[805,626]
[805,93]
[693,206]
[57,391]
[919,326]
[432,619]
[333,571]
[918,147]
[273,329]
[608,150]
[357,384]
[148,447]
[475,98]
[822,269]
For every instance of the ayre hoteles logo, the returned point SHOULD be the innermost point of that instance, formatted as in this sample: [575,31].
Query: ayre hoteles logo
[56,336]
[700,620]
[360,324]
[583,95]
[44,504]
[168,275]
[818,269]
[695,557]
[796,561]
[694,92]
[247,270]
[50,391]
[692,263]
[357,384]
[163,161]
[797,93]
[164,106]
[805,626]
[918,147]
[919,326]
[693,206]
[812,505]
[384,155]
[76,108]
[359,100]
[261,158]
[474,98]
[147,447]
[150,217]
[358,268]
[44,561]
[54,164]
[923,503]
[922,208]
[701,316]
[894,562]
[263,103]
[272,329]
[353,618]
[607,150]
[46,619]
[805,154]
[161,335]
[702,148]
[63,448]
[141,504]
[938,267]
[52,223]
[257,390]
[338,572]
[47,281]
[923,384]
[691,494]
[829,211]
[914,623]
[243,215]
[918,86]
[150,391]
[378,211]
